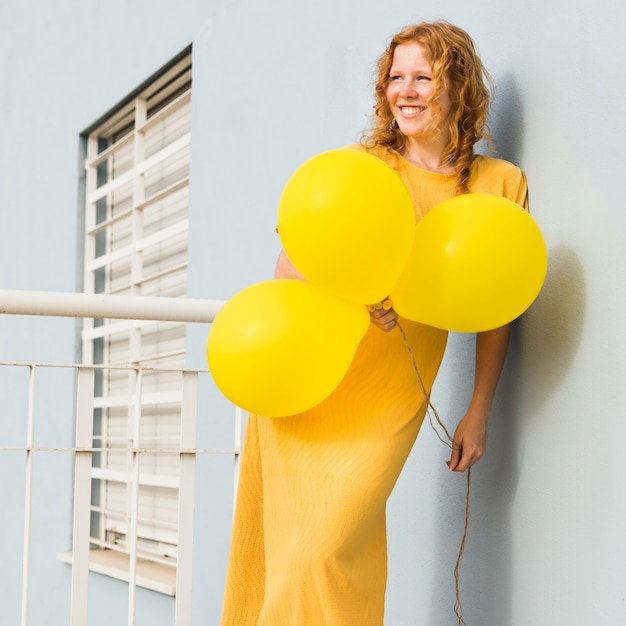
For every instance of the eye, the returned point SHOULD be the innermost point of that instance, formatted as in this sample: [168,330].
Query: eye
[395,77]
[423,78]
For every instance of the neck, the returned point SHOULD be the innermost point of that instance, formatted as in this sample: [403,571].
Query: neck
[431,165]
[427,156]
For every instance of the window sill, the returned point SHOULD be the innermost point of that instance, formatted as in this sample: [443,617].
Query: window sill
[155,576]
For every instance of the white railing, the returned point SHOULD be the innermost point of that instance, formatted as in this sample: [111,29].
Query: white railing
[106,306]
[118,307]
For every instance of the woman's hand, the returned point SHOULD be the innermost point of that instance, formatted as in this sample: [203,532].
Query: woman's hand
[470,436]
[469,442]
[384,319]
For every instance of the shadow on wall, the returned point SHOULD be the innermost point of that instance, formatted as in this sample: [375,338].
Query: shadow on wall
[543,347]
[485,574]
[486,566]
[551,330]
[549,343]
[507,119]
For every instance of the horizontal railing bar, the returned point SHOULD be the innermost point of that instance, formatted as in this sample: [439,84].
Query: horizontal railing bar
[152,437]
[136,450]
[105,366]
[66,304]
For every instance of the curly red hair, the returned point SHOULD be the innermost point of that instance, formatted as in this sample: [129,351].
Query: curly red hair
[457,66]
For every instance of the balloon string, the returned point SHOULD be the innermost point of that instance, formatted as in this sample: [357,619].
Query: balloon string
[430,411]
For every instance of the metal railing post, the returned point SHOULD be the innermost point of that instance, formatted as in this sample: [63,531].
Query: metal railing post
[82,495]
[28,493]
[186,498]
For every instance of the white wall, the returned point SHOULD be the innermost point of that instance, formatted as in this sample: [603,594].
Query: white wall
[278,82]
[63,64]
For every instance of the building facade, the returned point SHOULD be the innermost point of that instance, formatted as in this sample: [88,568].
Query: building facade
[273,84]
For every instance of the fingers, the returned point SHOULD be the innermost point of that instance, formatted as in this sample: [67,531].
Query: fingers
[382,315]
[455,458]
[462,458]
[385,319]
[469,442]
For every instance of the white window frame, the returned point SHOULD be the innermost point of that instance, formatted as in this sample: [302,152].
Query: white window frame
[136,196]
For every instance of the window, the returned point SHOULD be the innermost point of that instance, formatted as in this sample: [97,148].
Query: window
[136,224]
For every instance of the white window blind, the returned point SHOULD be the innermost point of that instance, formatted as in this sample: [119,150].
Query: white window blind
[136,225]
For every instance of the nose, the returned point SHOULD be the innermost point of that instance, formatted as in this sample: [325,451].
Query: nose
[408,90]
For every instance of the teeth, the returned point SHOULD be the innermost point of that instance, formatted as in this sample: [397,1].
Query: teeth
[413,110]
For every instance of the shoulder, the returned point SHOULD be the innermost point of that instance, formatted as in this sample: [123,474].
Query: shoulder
[497,176]
[490,166]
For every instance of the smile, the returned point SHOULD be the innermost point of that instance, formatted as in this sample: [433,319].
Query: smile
[412,110]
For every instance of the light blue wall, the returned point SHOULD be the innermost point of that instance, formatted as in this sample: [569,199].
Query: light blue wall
[276,83]
[63,64]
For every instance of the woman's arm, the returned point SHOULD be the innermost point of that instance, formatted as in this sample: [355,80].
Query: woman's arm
[471,433]
[385,319]
[285,268]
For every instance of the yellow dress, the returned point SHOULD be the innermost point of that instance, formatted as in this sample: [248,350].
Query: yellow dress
[309,536]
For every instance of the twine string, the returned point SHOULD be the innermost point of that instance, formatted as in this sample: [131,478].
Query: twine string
[448,441]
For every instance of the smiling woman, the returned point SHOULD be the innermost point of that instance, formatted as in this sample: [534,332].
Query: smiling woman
[309,537]
[450,82]
[420,112]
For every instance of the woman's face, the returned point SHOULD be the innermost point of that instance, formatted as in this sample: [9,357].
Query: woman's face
[410,86]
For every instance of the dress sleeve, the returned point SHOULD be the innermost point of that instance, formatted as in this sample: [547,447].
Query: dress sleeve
[500,177]
[520,195]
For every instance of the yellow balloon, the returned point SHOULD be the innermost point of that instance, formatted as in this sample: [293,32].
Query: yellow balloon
[346,222]
[280,347]
[478,261]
